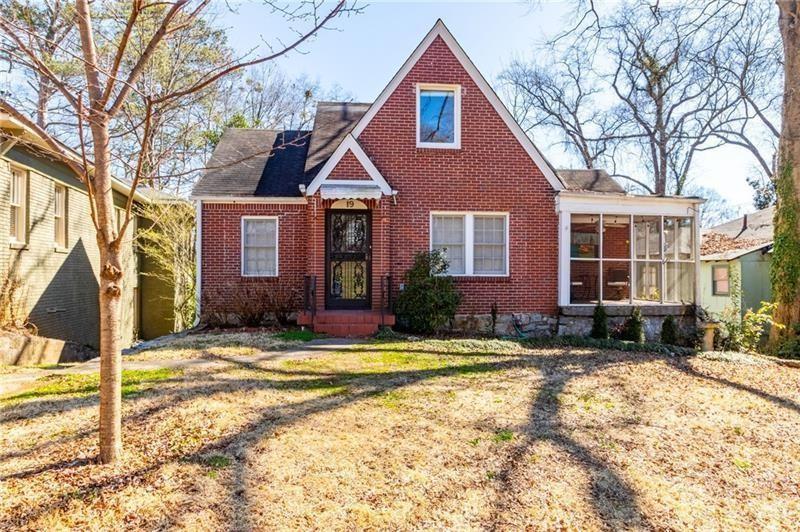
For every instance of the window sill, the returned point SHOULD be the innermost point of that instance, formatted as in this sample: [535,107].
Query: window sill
[59,249]
[454,147]
[18,245]
[478,278]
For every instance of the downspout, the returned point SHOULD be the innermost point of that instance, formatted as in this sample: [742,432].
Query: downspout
[198,255]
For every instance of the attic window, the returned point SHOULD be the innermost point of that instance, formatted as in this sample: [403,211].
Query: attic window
[439,116]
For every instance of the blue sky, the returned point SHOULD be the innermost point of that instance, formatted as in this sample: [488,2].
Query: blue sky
[364,52]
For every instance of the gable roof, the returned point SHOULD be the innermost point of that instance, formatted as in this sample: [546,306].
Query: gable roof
[591,180]
[332,122]
[440,30]
[241,164]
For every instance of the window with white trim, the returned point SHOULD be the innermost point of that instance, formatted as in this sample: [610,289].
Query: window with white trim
[473,243]
[259,246]
[438,116]
[60,215]
[19,206]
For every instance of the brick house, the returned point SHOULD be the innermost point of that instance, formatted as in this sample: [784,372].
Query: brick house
[436,162]
[51,247]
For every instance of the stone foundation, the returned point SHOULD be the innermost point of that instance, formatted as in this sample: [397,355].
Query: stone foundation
[529,324]
[576,321]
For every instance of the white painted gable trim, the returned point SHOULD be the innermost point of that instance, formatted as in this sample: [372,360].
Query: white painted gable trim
[349,144]
[440,30]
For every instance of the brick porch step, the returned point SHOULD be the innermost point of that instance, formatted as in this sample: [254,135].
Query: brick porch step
[348,323]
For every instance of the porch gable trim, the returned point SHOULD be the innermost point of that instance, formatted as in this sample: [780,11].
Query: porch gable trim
[349,144]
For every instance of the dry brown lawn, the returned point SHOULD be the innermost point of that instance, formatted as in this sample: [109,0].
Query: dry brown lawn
[428,434]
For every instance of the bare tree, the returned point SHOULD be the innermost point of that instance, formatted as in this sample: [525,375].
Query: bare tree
[47,25]
[564,96]
[652,83]
[112,69]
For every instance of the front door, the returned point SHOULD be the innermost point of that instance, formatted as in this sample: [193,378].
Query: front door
[348,246]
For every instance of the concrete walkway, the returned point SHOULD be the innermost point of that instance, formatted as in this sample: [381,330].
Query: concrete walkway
[18,381]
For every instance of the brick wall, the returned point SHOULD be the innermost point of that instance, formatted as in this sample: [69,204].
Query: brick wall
[221,243]
[491,172]
[60,286]
[349,168]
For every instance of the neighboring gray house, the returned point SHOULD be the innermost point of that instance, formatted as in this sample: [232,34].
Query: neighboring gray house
[49,245]
[738,251]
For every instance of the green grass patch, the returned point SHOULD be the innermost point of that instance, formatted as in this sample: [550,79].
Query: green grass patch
[217,461]
[503,435]
[298,335]
[133,382]
[392,399]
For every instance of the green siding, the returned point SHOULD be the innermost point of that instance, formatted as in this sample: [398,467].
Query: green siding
[755,280]
[754,274]
[60,286]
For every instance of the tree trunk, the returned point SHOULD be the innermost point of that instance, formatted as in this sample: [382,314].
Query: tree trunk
[110,364]
[786,256]
[110,299]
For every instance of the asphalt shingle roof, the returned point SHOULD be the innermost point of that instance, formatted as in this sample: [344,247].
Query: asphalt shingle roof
[333,121]
[259,162]
[262,162]
[592,180]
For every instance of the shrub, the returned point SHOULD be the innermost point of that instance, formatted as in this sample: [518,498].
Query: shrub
[599,323]
[634,327]
[281,302]
[12,315]
[669,331]
[747,332]
[249,306]
[430,299]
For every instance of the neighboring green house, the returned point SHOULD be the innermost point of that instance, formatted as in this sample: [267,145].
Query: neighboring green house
[49,245]
[737,253]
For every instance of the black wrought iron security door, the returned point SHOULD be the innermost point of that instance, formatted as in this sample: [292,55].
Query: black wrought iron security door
[348,251]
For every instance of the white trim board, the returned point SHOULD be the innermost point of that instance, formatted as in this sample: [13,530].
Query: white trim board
[349,144]
[275,200]
[440,30]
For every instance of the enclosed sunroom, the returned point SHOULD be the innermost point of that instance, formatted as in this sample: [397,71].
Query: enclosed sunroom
[628,250]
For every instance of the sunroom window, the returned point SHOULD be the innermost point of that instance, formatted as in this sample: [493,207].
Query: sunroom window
[438,116]
[631,259]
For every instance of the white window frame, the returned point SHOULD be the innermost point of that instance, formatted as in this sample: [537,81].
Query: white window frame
[456,144]
[277,245]
[661,261]
[62,218]
[469,240]
[22,206]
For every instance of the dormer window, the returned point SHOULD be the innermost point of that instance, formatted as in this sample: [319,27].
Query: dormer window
[438,116]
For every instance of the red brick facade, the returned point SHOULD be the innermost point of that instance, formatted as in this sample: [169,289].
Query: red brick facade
[349,168]
[221,264]
[491,173]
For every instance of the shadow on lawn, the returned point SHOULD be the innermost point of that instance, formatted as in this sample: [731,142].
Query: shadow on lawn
[613,499]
